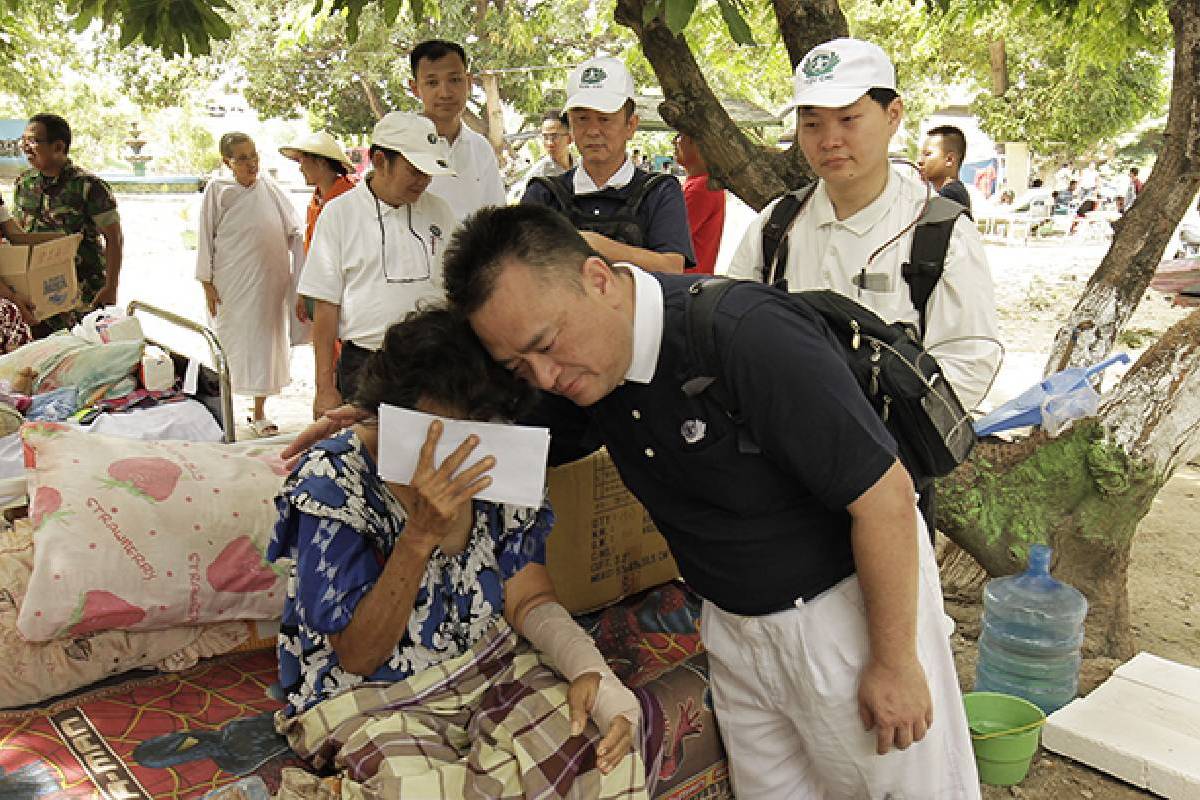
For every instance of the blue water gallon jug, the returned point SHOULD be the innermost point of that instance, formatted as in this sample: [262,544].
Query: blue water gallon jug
[1032,632]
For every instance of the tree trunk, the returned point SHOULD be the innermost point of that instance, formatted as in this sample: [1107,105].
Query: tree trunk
[372,98]
[495,112]
[754,173]
[1085,492]
[1141,235]
[804,24]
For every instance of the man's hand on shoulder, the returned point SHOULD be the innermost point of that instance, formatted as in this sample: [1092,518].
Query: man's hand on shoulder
[894,700]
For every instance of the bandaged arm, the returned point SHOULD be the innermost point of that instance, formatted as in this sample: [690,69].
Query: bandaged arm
[550,629]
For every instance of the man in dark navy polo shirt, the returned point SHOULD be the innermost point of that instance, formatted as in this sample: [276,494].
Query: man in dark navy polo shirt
[600,108]
[822,617]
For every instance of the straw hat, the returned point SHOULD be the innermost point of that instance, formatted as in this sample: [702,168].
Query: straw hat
[317,144]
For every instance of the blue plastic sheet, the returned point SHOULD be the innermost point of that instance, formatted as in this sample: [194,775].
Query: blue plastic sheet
[1026,408]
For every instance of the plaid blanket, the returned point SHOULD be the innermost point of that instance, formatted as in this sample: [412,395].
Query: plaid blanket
[491,723]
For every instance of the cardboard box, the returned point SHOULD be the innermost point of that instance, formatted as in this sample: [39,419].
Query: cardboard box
[44,273]
[604,546]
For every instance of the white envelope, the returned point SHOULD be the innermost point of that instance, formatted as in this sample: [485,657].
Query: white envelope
[519,476]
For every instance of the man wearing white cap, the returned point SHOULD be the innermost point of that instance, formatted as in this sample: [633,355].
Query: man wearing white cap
[376,251]
[625,213]
[442,82]
[854,233]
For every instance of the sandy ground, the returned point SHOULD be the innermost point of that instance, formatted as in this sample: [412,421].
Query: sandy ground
[1036,285]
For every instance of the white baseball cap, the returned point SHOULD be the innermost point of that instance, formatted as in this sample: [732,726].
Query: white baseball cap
[415,138]
[838,73]
[602,84]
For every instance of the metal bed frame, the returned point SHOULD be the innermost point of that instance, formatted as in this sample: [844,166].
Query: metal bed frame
[220,365]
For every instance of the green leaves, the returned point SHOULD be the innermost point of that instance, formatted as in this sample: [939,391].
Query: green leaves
[678,13]
[739,29]
[173,27]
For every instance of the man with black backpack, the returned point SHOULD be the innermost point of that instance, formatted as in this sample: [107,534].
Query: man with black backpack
[830,668]
[875,232]
[624,212]
[871,230]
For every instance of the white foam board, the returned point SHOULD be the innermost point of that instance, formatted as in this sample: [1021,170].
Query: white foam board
[1141,725]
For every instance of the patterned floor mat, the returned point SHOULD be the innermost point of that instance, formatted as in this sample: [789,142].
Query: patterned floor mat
[176,736]
[181,736]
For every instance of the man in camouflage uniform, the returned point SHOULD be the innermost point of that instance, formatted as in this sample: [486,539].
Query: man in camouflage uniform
[56,195]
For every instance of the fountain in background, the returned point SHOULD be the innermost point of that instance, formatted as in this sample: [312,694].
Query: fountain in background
[138,182]
[136,157]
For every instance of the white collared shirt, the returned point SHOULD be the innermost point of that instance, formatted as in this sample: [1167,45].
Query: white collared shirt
[647,325]
[477,182]
[619,180]
[827,253]
[346,265]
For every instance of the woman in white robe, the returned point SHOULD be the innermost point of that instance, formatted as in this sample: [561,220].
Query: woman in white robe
[248,239]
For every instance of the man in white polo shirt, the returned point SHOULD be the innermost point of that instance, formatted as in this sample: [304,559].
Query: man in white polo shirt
[376,251]
[854,233]
[442,82]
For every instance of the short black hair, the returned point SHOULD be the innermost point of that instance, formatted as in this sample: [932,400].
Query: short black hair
[535,236]
[433,355]
[57,129]
[433,50]
[1133,170]
[337,166]
[388,152]
[953,139]
[557,115]
[882,95]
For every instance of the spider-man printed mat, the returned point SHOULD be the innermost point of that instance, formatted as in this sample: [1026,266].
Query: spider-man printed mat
[176,736]
[181,736]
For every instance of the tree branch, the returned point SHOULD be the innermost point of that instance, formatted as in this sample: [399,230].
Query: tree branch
[372,98]
[1113,292]
[754,173]
[804,24]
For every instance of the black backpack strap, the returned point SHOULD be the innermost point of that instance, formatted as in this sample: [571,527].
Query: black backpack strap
[927,259]
[774,233]
[562,195]
[634,202]
[700,323]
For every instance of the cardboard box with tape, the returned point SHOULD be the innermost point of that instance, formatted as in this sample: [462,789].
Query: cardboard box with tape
[44,273]
[604,546]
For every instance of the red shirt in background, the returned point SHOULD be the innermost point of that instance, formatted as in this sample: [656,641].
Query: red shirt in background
[340,186]
[706,218]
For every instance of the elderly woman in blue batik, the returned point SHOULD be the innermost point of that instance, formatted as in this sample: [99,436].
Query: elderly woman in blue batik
[410,590]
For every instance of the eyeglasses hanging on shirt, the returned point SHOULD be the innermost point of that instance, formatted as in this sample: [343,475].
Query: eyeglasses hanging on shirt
[882,281]
[383,249]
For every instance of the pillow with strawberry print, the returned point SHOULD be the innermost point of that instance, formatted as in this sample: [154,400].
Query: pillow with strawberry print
[146,535]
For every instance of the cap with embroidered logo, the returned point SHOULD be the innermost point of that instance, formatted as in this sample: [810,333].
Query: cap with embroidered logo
[415,138]
[838,73]
[602,84]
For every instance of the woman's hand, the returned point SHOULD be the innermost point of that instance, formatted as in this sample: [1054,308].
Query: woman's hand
[581,700]
[435,496]
[211,298]
[302,311]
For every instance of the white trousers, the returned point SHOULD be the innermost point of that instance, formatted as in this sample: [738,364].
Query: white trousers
[785,693]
